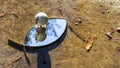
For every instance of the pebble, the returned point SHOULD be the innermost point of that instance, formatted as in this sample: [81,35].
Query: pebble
[118,29]
[76,23]
[109,34]
[79,20]
[118,48]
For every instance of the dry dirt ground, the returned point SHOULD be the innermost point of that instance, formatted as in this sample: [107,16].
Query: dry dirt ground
[97,17]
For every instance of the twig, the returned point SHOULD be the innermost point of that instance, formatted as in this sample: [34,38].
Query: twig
[8,13]
[80,37]
[10,64]
[14,14]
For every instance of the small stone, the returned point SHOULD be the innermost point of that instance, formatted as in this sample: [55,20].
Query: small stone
[118,29]
[117,39]
[118,48]
[76,23]
[109,34]
[79,20]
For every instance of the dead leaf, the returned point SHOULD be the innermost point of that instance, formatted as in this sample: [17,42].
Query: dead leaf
[90,41]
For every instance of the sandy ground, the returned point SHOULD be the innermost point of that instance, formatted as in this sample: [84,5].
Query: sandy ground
[97,17]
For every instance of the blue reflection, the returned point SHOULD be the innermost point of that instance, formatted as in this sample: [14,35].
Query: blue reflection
[55,28]
[51,28]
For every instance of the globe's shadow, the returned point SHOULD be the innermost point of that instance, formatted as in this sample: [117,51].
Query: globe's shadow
[43,58]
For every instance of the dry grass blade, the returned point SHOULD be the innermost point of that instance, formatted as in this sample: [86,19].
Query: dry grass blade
[80,37]
[4,13]
[14,14]
[10,64]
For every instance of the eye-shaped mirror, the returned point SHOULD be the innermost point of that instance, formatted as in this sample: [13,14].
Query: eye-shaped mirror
[55,28]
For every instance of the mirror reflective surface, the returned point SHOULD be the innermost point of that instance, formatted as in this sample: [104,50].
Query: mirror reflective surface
[55,29]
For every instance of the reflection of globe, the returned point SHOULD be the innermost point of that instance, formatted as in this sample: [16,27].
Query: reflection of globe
[40,37]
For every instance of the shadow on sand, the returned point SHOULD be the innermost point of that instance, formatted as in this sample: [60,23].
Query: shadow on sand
[43,58]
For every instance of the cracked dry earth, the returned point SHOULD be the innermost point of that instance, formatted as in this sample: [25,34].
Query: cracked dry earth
[97,17]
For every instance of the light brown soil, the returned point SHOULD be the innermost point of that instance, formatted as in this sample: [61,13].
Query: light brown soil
[97,17]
